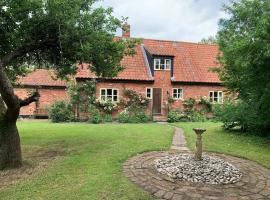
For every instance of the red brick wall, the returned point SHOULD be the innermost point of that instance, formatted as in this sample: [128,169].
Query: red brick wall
[47,97]
[163,80]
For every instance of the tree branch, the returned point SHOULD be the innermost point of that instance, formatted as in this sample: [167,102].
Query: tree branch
[33,98]
[7,58]
[7,92]
[29,47]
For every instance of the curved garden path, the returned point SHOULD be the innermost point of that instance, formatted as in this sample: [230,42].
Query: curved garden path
[254,184]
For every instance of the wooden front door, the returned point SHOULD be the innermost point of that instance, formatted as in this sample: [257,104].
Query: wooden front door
[157,100]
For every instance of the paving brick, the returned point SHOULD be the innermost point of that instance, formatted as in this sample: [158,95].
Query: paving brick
[165,188]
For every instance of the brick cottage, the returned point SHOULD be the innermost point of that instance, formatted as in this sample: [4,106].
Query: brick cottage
[158,70]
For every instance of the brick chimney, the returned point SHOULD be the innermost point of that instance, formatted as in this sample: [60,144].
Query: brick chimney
[126,30]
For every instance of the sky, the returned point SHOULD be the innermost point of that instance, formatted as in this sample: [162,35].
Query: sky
[180,20]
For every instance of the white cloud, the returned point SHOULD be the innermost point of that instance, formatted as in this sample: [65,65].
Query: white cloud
[184,20]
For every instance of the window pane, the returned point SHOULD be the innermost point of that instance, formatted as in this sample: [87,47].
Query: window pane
[115,92]
[220,94]
[177,93]
[180,93]
[211,96]
[148,92]
[168,64]
[157,64]
[162,66]
[115,98]
[162,61]
[109,91]
[103,92]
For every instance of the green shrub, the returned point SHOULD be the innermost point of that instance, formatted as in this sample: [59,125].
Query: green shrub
[108,118]
[140,117]
[106,106]
[124,117]
[61,111]
[236,115]
[177,116]
[189,105]
[95,117]
[197,117]
[206,105]
[82,94]
[173,116]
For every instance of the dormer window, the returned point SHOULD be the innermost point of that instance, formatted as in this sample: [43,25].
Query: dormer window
[162,64]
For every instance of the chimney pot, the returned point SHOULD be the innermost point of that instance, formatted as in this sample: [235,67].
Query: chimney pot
[126,30]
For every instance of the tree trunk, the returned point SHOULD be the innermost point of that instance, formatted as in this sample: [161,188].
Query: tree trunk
[10,104]
[10,148]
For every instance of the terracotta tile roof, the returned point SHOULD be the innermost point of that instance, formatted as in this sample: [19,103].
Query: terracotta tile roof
[135,68]
[192,62]
[40,77]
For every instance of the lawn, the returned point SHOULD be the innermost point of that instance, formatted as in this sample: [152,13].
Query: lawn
[90,161]
[218,140]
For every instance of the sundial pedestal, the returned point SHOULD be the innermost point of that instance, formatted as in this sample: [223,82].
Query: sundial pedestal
[198,148]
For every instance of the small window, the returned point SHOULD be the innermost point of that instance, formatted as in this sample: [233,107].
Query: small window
[109,95]
[216,96]
[157,64]
[177,93]
[162,64]
[149,93]
[168,64]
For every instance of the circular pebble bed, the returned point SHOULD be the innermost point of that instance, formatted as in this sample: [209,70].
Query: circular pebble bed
[209,170]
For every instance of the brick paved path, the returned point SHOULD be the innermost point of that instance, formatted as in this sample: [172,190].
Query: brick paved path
[179,140]
[254,184]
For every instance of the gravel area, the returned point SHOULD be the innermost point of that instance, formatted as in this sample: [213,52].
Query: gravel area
[210,170]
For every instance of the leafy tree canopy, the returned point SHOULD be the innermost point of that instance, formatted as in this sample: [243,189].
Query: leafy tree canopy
[244,39]
[54,33]
[59,34]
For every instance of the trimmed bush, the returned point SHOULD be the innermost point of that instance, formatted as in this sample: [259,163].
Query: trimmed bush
[61,111]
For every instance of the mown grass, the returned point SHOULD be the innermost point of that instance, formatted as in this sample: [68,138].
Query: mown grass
[91,167]
[215,139]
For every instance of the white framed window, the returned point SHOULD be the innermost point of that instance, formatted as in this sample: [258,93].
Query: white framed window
[216,96]
[162,64]
[109,94]
[149,93]
[177,93]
